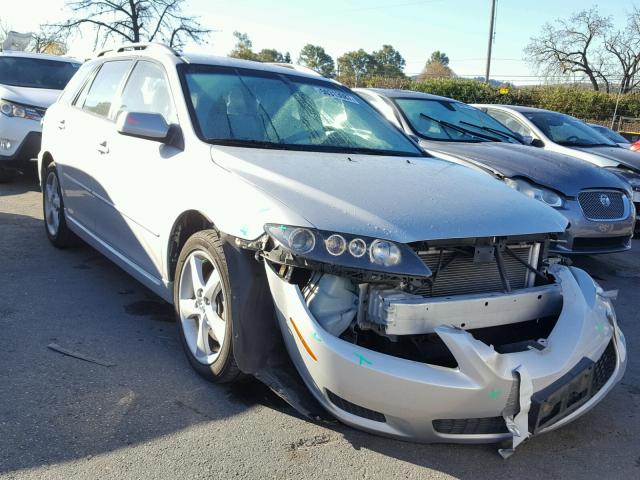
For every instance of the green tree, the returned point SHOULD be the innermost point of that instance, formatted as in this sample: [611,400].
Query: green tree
[389,62]
[437,67]
[439,57]
[243,47]
[270,55]
[314,57]
[357,64]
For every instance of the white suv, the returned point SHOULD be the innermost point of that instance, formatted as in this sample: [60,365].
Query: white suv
[414,296]
[29,83]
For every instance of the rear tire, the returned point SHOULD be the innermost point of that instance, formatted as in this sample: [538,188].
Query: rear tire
[202,299]
[55,224]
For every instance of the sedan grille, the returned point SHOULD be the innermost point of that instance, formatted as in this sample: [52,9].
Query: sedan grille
[602,205]
[456,273]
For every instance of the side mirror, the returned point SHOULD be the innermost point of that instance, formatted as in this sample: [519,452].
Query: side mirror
[150,126]
[536,142]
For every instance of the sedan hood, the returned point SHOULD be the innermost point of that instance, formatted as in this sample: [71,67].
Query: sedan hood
[623,156]
[400,199]
[562,173]
[38,97]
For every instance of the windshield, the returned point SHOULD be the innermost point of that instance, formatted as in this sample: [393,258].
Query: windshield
[271,110]
[568,131]
[610,134]
[453,121]
[36,72]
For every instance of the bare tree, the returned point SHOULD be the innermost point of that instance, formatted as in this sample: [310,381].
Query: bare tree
[624,45]
[572,46]
[135,21]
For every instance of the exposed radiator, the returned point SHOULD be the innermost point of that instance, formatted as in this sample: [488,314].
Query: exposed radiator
[459,274]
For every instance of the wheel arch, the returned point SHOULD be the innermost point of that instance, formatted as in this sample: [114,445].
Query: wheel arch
[47,159]
[187,223]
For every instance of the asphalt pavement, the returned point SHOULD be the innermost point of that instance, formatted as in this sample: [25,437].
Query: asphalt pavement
[148,415]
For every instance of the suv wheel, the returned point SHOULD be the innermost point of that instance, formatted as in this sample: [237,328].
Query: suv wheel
[202,301]
[53,208]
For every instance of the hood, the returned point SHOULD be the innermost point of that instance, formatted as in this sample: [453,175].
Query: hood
[396,198]
[562,173]
[623,156]
[38,97]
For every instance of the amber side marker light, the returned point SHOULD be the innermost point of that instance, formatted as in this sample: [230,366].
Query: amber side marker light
[304,342]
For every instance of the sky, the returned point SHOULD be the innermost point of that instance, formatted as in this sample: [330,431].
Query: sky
[415,28]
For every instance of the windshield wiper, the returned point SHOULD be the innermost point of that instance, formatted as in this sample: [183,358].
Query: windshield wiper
[493,130]
[457,128]
[584,145]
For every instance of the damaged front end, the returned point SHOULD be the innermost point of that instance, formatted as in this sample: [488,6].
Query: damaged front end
[465,340]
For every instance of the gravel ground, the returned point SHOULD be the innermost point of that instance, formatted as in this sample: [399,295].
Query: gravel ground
[151,416]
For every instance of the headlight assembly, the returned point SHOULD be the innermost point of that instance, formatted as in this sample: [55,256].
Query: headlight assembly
[546,196]
[350,251]
[629,176]
[11,109]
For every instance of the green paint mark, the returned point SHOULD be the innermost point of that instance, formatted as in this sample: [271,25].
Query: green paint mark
[495,393]
[600,328]
[316,337]
[264,210]
[362,359]
[283,228]
[244,231]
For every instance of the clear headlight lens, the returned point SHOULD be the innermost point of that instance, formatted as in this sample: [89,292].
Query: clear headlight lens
[384,253]
[336,244]
[11,109]
[300,240]
[546,196]
[357,247]
[350,251]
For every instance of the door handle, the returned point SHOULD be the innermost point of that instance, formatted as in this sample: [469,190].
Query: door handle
[102,148]
[61,125]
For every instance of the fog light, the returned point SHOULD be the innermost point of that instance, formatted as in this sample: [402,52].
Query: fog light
[5,144]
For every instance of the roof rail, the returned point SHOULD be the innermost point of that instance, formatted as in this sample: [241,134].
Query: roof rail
[139,46]
[299,68]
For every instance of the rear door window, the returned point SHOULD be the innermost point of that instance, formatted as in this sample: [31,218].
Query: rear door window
[105,87]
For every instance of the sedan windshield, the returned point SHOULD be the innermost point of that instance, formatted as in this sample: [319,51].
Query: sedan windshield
[271,110]
[453,121]
[36,72]
[568,131]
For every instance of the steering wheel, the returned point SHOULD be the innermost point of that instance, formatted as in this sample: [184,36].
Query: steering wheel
[572,138]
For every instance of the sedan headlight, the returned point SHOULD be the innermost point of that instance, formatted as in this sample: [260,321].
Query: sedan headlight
[350,251]
[629,176]
[546,196]
[11,109]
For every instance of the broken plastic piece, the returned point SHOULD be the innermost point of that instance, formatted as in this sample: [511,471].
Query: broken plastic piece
[518,425]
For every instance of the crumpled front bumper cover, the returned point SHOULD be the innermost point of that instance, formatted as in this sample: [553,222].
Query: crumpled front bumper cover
[405,399]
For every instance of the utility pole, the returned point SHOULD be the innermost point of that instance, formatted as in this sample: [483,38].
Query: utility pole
[493,17]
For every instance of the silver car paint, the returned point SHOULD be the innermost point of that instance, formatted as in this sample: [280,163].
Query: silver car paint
[411,394]
[396,198]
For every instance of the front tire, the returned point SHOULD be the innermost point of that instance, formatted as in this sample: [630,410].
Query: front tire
[202,299]
[55,224]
